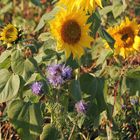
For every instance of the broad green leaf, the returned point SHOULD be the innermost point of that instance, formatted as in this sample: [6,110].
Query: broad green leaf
[133,73]
[6,63]
[130,84]
[87,87]
[5,60]
[95,88]
[118,7]
[21,66]
[106,10]
[49,54]
[49,133]
[100,94]
[26,118]
[9,85]
[133,85]
[117,10]
[4,56]
[5,75]
[75,90]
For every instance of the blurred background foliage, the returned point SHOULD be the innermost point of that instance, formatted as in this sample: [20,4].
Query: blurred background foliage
[110,87]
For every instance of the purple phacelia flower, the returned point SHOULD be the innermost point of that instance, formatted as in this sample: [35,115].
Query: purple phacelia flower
[123,106]
[133,101]
[57,74]
[66,72]
[81,107]
[36,88]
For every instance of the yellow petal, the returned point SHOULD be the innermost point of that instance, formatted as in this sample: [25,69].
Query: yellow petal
[99,2]
[136,44]
[122,52]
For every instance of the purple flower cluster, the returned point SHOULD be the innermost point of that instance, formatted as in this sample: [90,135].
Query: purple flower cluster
[134,101]
[57,74]
[124,106]
[81,107]
[36,88]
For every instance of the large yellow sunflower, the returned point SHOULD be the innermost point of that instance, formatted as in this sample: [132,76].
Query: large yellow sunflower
[126,38]
[70,30]
[88,5]
[9,34]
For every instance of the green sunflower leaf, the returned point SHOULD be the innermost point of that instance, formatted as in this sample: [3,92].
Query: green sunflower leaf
[9,85]
[26,118]
[21,66]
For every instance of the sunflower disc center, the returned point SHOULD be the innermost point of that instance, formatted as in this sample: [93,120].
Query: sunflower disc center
[9,33]
[127,37]
[71,32]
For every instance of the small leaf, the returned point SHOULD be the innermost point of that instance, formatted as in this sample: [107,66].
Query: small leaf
[117,10]
[96,21]
[106,10]
[103,33]
[49,133]
[46,17]
[45,36]
[81,121]
[49,54]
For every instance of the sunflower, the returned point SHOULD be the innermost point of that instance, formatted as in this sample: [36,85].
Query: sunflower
[9,34]
[88,5]
[70,30]
[126,38]
[68,3]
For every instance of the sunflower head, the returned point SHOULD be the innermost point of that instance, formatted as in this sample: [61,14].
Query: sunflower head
[126,38]
[9,34]
[70,30]
[88,5]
